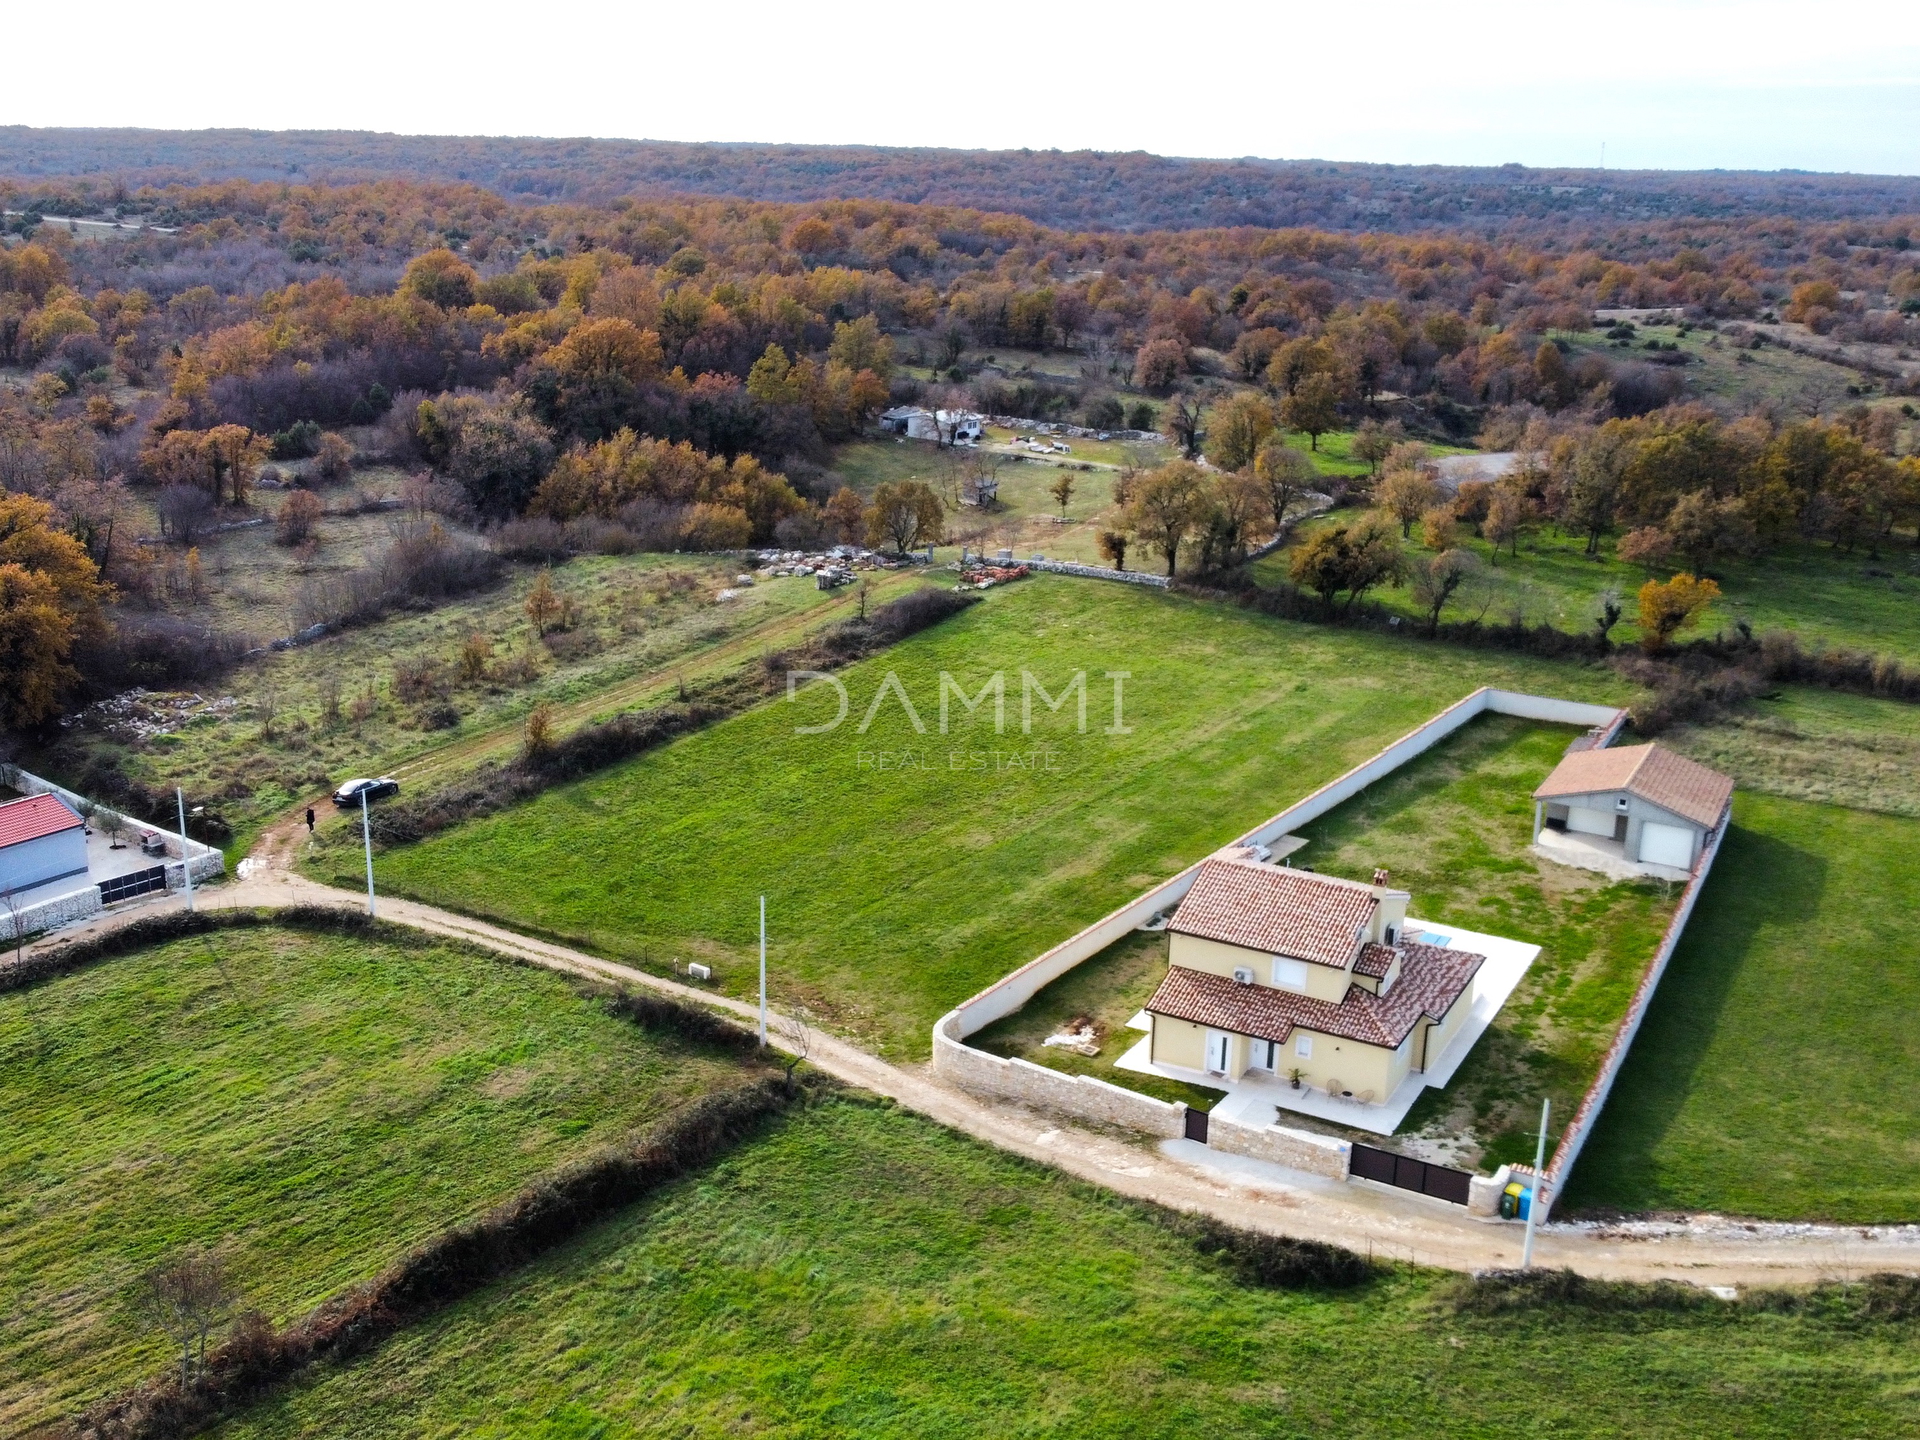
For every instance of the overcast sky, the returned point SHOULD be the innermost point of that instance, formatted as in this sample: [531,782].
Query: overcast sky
[1758,85]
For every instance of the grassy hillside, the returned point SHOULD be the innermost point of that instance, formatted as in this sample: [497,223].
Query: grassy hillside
[1776,1074]
[1825,594]
[862,1272]
[905,870]
[310,1105]
[642,622]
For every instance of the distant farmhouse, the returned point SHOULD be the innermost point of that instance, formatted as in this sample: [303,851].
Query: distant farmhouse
[1286,973]
[1635,810]
[955,427]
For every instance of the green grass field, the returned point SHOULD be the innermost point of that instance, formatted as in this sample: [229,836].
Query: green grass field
[858,1271]
[639,616]
[1822,593]
[1778,1072]
[1821,745]
[903,870]
[1455,829]
[311,1105]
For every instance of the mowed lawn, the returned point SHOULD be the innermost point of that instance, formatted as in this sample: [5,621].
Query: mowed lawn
[905,870]
[1455,828]
[858,1271]
[1778,1072]
[309,1105]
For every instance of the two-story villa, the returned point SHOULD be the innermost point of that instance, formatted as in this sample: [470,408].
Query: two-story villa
[1304,977]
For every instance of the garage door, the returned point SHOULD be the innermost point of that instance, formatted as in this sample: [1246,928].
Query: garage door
[1666,845]
[1583,821]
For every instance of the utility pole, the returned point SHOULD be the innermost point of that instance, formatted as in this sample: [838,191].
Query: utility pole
[1539,1185]
[763,972]
[186,856]
[366,838]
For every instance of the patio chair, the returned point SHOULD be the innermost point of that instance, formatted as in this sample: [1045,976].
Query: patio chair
[1334,1089]
[1365,1097]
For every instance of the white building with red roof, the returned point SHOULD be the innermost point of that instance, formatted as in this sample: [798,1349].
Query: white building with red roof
[1630,810]
[42,838]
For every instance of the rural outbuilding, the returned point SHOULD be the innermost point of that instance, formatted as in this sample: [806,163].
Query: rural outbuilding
[42,838]
[1637,805]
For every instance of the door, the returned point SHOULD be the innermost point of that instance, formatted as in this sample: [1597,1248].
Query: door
[1666,845]
[1217,1051]
[1583,821]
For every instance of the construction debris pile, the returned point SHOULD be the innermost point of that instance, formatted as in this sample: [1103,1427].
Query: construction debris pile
[978,576]
[147,714]
[829,568]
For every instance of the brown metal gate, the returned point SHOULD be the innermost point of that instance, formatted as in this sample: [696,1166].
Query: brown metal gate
[1410,1174]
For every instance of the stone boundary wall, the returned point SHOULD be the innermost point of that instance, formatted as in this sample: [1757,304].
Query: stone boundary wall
[1296,1149]
[1095,572]
[66,909]
[1574,1137]
[1081,1096]
[974,1070]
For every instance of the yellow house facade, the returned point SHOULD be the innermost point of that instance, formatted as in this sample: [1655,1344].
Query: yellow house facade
[1306,978]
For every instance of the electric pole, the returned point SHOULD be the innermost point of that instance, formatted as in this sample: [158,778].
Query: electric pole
[366,838]
[186,856]
[1539,1185]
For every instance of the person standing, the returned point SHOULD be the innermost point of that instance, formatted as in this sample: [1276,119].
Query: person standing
[309,822]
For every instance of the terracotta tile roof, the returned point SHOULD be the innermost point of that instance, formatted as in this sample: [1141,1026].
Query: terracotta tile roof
[1431,979]
[37,815]
[1375,960]
[1657,775]
[1276,910]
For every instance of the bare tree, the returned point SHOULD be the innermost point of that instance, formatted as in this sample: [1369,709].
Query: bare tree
[797,1036]
[185,511]
[266,704]
[189,1298]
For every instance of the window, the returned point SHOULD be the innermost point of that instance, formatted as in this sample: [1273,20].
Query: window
[1390,934]
[1289,974]
[1303,1046]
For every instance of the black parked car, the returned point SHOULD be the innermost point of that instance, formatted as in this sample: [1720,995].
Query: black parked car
[349,794]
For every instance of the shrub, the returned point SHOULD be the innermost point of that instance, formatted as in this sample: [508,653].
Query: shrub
[299,518]
[1276,1262]
[333,459]
[1505,1292]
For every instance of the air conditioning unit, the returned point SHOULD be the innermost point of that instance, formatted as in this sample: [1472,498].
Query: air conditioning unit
[700,972]
[1243,975]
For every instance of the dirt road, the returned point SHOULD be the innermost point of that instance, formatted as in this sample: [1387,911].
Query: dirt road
[1365,1217]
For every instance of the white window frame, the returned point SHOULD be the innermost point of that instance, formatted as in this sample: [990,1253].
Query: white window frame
[1303,1045]
[1290,974]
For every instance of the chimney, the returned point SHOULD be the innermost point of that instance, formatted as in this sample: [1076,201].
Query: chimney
[1380,878]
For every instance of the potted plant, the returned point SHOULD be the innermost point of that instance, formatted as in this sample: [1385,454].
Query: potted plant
[1295,1075]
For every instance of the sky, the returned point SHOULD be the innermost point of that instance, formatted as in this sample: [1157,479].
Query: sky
[1675,85]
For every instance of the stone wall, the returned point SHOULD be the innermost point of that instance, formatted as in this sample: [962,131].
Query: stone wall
[1296,1149]
[1079,1096]
[1096,572]
[51,914]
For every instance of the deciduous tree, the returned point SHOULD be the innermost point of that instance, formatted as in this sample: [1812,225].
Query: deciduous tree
[1312,407]
[1670,606]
